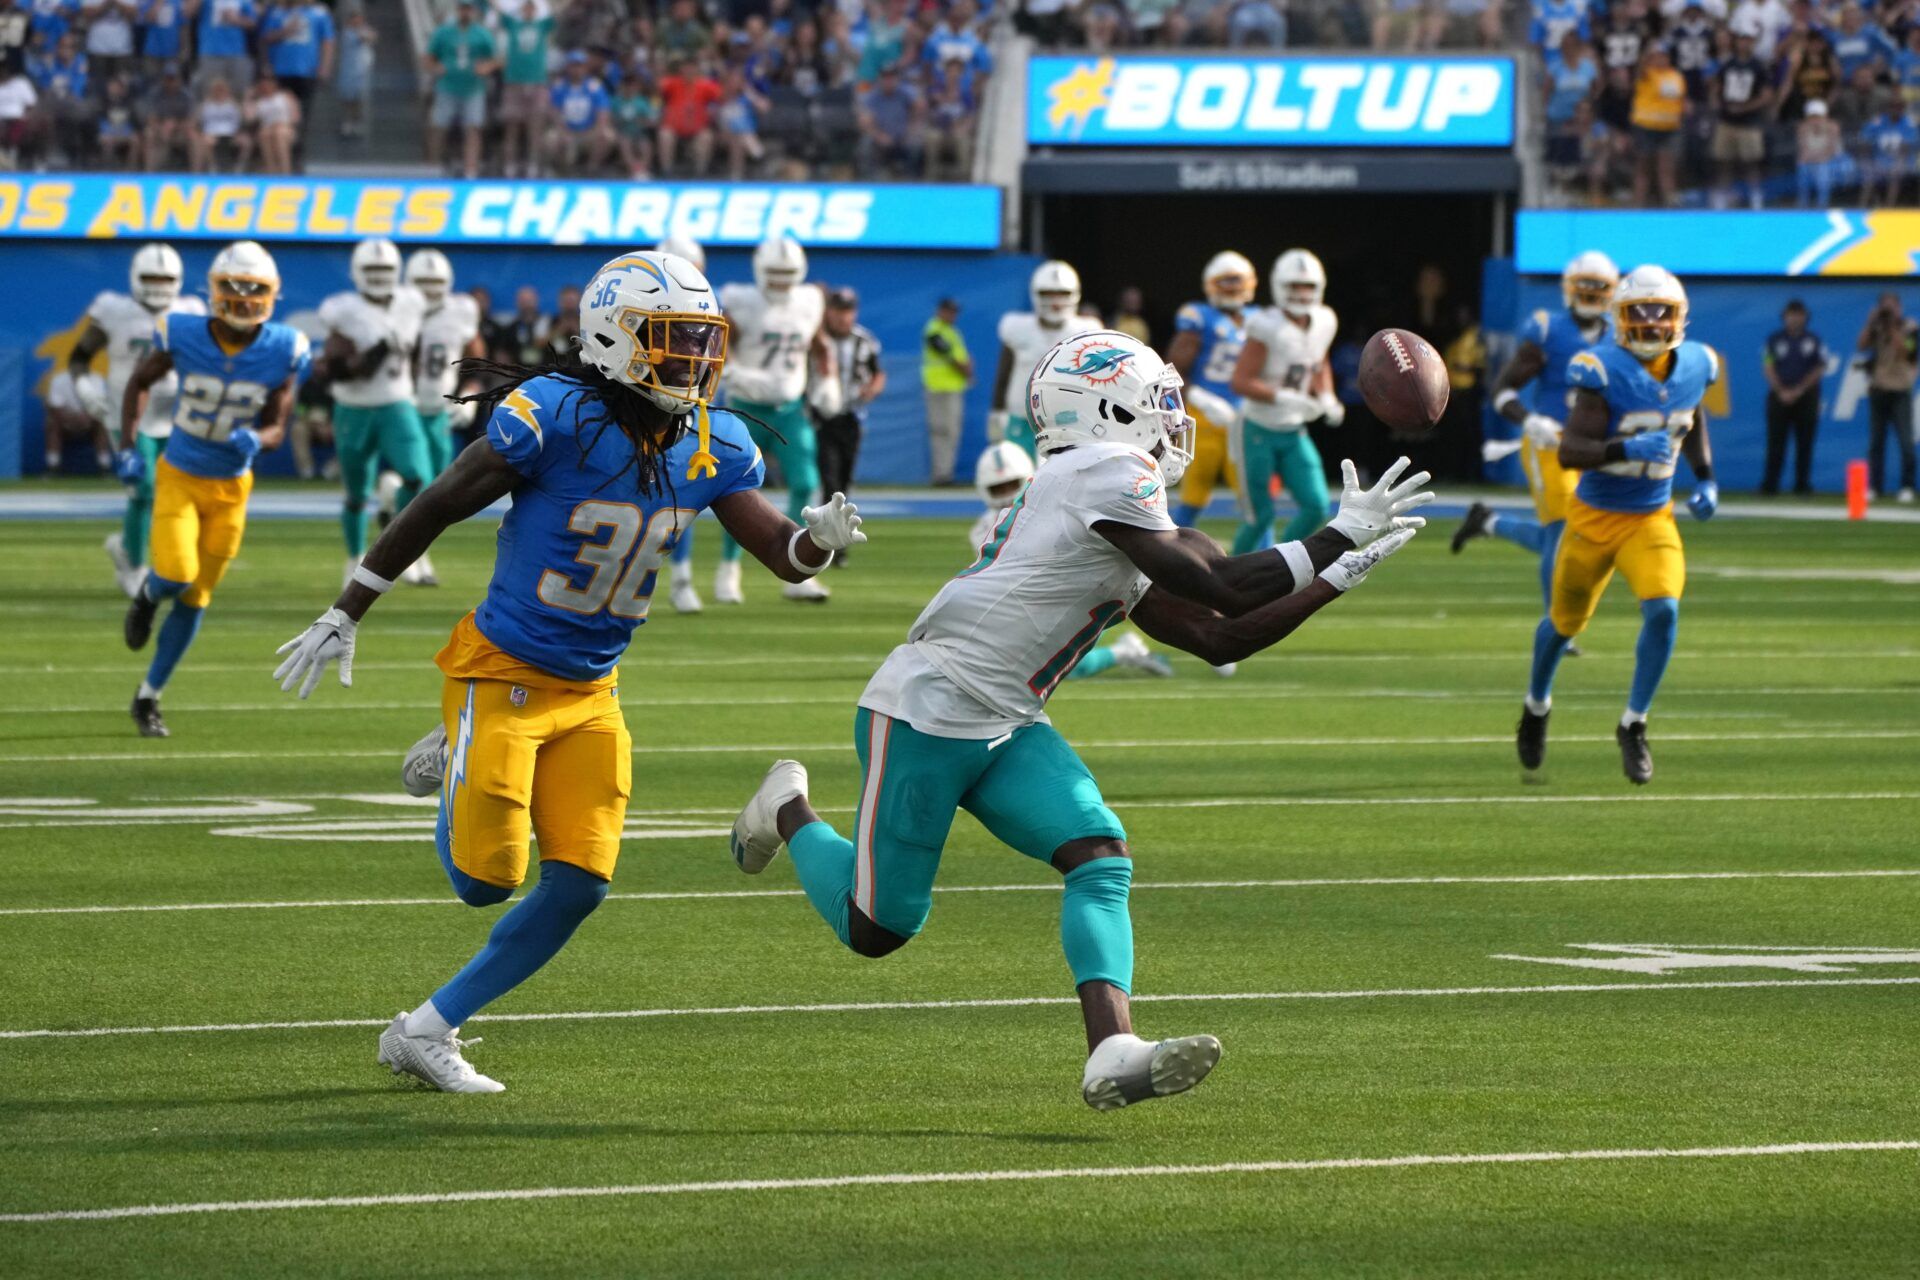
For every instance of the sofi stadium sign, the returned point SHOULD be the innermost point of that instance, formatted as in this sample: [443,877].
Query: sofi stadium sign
[1271,102]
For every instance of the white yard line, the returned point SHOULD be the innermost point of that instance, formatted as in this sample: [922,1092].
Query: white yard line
[1009,1002]
[1047,886]
[962,1176]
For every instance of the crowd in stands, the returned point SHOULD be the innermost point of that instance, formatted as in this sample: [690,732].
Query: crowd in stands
[699,88]
[1386,25]
[1753,102]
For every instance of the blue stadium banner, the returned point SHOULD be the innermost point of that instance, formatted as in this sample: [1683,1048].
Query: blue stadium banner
[880,216]
[1277,101]
[1729,242]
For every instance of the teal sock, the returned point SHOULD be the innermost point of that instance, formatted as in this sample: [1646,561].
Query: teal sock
[133,527]
[729,549]
[1095,930]
[823,859]
[353,524]
[1096,661]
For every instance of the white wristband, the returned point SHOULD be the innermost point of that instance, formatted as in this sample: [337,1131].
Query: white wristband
[793,556]
[1504,397]
[371,580]
[1295,554]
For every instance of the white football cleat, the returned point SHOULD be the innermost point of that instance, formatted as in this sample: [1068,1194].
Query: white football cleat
[811,590]
[422,573]
[685,598]
[756,832]
[434,1060]
[1226,669]
[726,583]
[425,769]
[1125,1069]
[1131,651]
[387,493]
[125,572]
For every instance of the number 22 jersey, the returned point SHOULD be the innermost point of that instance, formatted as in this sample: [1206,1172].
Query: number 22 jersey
[1638,402]
[221,391]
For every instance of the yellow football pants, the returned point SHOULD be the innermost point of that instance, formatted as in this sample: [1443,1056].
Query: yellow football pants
[1551,483]
[1644,546]
[553,763]
[1211,465]
[198,522]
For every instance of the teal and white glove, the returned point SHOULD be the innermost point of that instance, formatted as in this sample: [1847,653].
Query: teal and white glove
[1366,514]
[834,525]
[1351,569]
[329,639]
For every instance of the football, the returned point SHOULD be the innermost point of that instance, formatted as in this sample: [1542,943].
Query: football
[1403,379]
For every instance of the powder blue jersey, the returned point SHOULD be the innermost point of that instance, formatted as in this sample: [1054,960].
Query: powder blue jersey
[574,566]
[1636,402]
[1222,334]
[1557,333]
[222,391]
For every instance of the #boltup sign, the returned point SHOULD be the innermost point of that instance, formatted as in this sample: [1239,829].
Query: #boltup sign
[881,216]
[1271,102]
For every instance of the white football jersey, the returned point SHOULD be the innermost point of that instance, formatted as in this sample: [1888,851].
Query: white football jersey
[445,332]
[366,325]
[768,347]
[129,330]
[1022,333]
[1293,354]
[985,655]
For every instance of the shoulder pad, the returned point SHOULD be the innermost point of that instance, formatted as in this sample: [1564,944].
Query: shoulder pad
[1587,370]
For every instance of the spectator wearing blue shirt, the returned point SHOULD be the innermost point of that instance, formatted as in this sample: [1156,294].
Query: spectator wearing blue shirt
[890,126]
[53,19]
[297,36]
[950,126]
[580,137]
[1553,19]
[61,77]
[1859,43]
[740,110]
[1794,360]
[1889,141]
[220,36]
[958,42]
[160,24]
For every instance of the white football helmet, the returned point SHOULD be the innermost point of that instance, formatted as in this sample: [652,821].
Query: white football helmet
[779,264]
[651,321]
[1299,282]
[242,284]
[1109,388]
[1002,473]
[684,247]
[155,276]
[1650,312]
[429,271]
[1228,281]
[375,268]
[1588,283]
[1055,291]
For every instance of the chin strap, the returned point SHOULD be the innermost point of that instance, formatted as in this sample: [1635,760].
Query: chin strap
[703,464]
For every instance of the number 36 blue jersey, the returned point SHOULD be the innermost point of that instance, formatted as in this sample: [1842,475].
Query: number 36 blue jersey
[222,391]
[574,566]
[1638,402]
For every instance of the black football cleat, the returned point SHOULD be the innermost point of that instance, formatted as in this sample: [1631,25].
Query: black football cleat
[146,714]
[1635,759]
[139,624]
[1531,739]
[1473,526]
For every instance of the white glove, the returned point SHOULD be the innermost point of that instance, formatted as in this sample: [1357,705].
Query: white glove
[308,653]
[1543,432]
[460,414]
[1351,569]
[1297,406]
[1331,409]
[1494,450]
[834,525]
[996,427]
[91,390]
[1366,514]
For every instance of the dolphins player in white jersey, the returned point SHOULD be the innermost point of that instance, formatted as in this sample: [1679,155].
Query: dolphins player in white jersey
[371,333]
[955,718]
[1025,336]
[122,325]
[449,333]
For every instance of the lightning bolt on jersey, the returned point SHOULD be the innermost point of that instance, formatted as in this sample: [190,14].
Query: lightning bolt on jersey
[1294,353]
[221,391]
[985,655]
[1637,401]
[129,328]
[767,349]
[574,562]
[1562,337]
[366,325]
[1022,333]
[445,331]
[1222,334]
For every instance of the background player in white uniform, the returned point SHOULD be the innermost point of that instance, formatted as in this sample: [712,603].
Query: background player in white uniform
[956,717]
[1284,384]
[122,325]
[1025,336]
[371,333]
[449,333]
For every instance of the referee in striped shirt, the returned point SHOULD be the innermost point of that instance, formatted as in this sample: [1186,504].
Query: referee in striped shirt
[839,400]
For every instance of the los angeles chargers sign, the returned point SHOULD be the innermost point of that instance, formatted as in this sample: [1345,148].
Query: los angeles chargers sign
[1280,101]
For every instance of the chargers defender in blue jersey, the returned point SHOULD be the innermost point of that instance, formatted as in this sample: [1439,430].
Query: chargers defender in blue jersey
[1207,337]
[237,373]
[1636,402]
[608,463]
[1548,342]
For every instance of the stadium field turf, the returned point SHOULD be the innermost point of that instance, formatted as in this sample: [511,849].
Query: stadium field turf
[1339,871]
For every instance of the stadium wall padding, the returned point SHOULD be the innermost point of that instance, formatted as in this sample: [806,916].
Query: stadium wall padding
[53,281]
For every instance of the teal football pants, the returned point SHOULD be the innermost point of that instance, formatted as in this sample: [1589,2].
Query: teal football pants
[366,436]
[139,516]
[790,443]
[1259,453]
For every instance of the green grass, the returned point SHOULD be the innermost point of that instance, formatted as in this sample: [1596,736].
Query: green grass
[1784,741]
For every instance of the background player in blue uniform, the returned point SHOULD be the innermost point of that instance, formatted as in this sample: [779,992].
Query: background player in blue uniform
[1635,401]
[1207,337]
[237,375]
[608,463]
